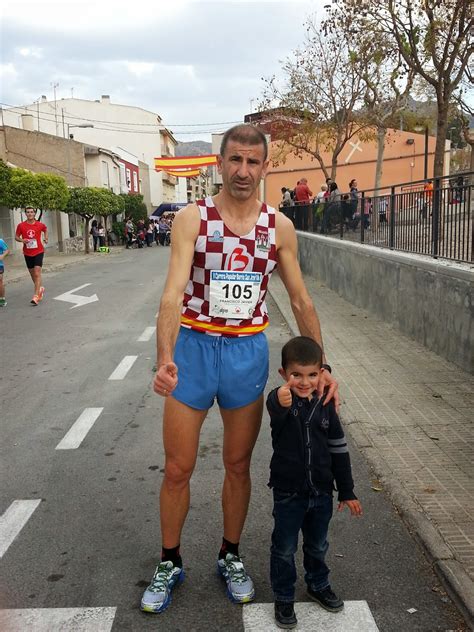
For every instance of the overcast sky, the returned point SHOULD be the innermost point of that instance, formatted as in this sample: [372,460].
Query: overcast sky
[192,62]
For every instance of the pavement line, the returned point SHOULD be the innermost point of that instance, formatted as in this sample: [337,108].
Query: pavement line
[147,334]
[123,368]
[356,616]
[47,619]
[13,521]
[77,432]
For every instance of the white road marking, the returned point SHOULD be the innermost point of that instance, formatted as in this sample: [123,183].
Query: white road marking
[356,617]
[147,334]
[123,368]
[77,432]
[48,619]
[79,300]
[13,521]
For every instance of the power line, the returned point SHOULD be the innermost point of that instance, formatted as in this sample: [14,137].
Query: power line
[91,120]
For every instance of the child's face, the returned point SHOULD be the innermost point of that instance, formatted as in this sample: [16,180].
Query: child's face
[304,377]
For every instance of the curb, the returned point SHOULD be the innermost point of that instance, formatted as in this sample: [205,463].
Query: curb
[454,578]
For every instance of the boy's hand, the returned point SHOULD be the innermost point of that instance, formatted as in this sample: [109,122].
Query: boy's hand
[284,394]
[354,506]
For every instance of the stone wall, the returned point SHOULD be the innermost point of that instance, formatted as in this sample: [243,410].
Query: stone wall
[431,301]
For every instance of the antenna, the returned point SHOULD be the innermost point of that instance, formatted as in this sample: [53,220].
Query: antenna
[54,86]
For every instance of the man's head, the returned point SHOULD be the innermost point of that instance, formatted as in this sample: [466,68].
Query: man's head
[301,359]
[242,161]
[245,135]
[303,181]
[30,213]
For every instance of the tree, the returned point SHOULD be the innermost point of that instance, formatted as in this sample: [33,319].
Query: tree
[134,206]
[5,176]
[44,191]
[318,106]
[434,38]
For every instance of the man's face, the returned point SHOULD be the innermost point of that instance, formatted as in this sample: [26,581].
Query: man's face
[30,214]
[242,167]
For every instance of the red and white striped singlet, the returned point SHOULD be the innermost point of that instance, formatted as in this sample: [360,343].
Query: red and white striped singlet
[218,248]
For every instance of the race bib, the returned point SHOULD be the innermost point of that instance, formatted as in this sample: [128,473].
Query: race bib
[234,294]
[32,243]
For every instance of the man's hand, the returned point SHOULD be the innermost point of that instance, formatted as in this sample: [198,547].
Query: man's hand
[354,506]
[284,394]
[166,379]
[326,379]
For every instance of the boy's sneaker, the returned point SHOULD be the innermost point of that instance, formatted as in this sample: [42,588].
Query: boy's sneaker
[157,597]
[285,615]
[326,598]
[239,585]
[41,293]
[35,300]
[3,302]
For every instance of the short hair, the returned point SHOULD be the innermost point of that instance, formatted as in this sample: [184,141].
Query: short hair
[247,135]
[301,350]
[30,208]
[283,189]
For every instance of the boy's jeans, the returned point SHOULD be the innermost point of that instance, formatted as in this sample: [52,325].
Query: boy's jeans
[291,513]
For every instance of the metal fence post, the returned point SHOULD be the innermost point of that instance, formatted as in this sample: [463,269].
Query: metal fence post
[391,238]
[361,211]
[435,218]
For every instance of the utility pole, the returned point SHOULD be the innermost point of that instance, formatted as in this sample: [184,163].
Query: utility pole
[54,86]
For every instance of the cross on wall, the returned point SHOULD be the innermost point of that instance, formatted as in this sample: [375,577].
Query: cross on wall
[355,147]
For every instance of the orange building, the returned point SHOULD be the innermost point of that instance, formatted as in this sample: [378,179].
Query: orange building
[403,161]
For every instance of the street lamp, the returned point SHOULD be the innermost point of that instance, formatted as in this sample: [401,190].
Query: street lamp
[419,128]
[82,125]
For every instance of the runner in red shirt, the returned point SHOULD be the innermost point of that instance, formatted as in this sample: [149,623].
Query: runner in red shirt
[29,234]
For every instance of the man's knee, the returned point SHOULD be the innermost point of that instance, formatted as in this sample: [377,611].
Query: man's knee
[177,474]
[237,466]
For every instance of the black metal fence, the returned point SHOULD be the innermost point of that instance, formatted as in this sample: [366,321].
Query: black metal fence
[429,217]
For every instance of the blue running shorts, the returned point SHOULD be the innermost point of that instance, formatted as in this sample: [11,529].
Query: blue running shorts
[232,370]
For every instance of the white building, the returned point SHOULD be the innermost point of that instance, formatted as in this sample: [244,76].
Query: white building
[108,125]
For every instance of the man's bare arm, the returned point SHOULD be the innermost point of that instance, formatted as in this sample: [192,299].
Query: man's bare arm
[290,273]
[183,237]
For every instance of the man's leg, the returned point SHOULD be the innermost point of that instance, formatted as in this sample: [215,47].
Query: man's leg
[241,428]
[2,290]
[181,429]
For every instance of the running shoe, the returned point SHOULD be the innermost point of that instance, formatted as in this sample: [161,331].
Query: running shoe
[239,585]
[157,597]
[35,300]
[3,302]
[41,293]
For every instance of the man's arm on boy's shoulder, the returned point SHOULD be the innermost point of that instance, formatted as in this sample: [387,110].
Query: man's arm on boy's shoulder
[340,459]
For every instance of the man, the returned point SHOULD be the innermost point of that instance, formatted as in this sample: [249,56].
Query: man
[303,195]
[29,234]
[210,344]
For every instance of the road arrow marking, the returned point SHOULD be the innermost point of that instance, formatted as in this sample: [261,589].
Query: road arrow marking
[79,300]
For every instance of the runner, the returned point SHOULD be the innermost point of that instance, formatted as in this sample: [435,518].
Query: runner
[28,233]
[4,252]
[211,345]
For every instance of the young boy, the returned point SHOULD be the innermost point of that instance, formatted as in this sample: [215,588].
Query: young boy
[3,253]
[309,454]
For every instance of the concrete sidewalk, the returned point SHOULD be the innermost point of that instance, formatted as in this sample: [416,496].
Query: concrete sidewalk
[411,414]
[16,270]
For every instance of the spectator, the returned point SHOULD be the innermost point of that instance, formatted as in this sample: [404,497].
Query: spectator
[303,195]
[149,233]
[383,207]
[129,232]
[331,208]
[354,197]
[101,234]
[95,234]
[318,207]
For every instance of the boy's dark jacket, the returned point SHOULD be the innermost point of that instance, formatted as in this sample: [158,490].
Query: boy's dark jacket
[309,448]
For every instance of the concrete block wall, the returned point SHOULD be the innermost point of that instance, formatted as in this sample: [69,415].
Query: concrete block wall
[430,301]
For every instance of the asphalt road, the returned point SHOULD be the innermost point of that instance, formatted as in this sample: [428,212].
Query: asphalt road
[93,540]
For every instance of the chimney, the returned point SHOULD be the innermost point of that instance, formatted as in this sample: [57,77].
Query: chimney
[27,122]
[43,98]
[105,98]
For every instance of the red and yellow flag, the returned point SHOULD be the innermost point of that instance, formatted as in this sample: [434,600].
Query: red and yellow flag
[184,162]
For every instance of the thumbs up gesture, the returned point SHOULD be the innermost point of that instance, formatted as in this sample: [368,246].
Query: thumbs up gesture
[284,394]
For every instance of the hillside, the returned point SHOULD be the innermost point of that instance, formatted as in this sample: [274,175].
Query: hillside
[193,148]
